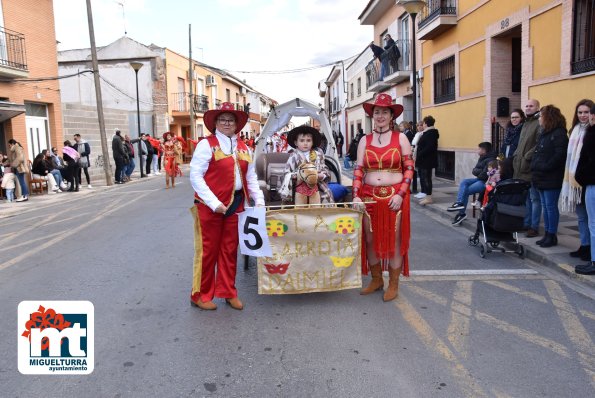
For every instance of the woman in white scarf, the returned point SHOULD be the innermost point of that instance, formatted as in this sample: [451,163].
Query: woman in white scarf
[572,197]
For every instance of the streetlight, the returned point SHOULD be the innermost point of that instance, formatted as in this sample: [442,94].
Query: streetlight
[136,66]
[413,7]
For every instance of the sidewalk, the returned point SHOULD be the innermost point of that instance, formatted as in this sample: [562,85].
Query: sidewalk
[37,201]
[555,258]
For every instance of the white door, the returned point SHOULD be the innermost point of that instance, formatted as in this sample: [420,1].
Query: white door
[37,135]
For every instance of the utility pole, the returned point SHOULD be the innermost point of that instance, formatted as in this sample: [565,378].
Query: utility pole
[104,150]
[191,74]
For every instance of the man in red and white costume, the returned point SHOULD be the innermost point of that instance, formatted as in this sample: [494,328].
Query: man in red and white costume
[223,177]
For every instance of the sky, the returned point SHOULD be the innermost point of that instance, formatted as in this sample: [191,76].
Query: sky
[235,35]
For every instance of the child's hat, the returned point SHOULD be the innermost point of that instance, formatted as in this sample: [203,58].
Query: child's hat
[304,129]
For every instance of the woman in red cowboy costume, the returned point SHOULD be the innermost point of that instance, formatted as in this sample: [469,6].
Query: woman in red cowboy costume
[171,153]
[382,176]
[223,177]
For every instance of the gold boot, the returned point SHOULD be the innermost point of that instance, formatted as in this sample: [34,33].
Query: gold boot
[392,292]
[426,201]
[377,283]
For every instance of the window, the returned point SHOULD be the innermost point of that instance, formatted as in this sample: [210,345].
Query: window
[583,38]
[404,24]
[359,86]
[444,80]
[227,95]
[352,91]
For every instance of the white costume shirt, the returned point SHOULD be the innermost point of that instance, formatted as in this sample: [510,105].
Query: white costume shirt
[200,163]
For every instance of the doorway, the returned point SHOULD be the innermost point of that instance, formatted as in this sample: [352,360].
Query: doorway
[506,69]
[37,126]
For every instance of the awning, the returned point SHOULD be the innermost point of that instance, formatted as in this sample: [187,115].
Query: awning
[8,110]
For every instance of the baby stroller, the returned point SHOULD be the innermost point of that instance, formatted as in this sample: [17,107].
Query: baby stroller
[501,218]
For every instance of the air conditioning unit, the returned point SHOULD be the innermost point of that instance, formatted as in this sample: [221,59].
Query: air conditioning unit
[243,90]
[210,80]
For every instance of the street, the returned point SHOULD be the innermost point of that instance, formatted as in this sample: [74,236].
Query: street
[465,327]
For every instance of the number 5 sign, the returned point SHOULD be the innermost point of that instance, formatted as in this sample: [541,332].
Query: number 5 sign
[254,240]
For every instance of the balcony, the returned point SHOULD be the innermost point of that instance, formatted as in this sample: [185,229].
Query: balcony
[181,103]
[396,68]
[437,17]
[201,103]
[13,59]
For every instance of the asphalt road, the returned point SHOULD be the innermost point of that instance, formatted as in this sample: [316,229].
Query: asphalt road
[495,331]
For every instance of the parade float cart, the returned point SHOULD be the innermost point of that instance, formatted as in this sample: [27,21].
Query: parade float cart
[303,248]
[270,166]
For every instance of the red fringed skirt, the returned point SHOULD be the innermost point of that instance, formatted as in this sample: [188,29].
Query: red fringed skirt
[171,167]
[384,225]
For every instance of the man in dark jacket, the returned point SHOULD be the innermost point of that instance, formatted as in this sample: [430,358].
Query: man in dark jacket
[338,137]
[84,149]
[585,175]
[120,156]
[470,186]
[149,155]
[427,158]
[521,163]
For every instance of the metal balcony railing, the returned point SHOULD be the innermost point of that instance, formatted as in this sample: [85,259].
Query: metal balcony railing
[181,102]
[12,49]
[201,103]
[435,8]
[393,59]
[372,73]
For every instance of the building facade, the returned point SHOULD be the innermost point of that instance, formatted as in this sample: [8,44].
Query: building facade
[30,109]
[118,88]
[357,94]
[480,59]
[335,91]
[393,73]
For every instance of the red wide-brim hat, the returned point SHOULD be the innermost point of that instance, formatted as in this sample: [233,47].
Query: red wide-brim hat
[210,117]
[383,101]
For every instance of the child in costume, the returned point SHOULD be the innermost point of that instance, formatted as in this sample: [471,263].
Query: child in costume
[306,140]
[8,183]
[493,179]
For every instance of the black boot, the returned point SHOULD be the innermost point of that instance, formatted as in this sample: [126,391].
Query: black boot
[586,256]
[581,250]
[586,269]
[551,240]
[540,241]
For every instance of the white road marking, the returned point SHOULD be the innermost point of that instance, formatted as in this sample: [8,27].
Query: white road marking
[457,272]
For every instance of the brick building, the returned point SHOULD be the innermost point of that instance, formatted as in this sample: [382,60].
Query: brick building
[30,110]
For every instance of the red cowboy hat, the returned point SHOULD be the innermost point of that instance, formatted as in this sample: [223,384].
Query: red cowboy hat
[210,117]
[383,101]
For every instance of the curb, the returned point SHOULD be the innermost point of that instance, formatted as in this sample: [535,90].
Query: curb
[17,210]
[531,252]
